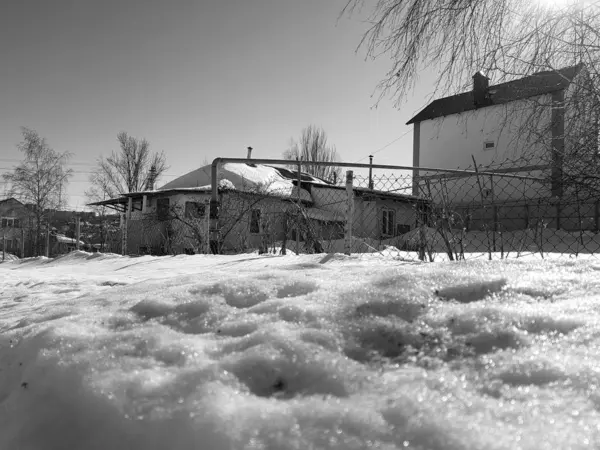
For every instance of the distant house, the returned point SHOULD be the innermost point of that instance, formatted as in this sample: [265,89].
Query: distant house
[61,244]
[15,227]
[488,123]
[259,205]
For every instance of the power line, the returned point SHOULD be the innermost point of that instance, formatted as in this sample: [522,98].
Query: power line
[385,146]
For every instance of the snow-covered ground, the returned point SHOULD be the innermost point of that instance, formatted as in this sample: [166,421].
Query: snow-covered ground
[298,352]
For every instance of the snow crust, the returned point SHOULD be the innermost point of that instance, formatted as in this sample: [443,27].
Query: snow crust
[101,351]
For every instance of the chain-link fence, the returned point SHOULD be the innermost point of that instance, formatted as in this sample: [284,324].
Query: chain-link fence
[501,211]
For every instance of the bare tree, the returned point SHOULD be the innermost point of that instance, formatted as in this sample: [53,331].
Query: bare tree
[132,168]
[313,147]
[40,179]
[504,38]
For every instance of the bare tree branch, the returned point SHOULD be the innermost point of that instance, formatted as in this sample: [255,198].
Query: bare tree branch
[40,179]
[313,147]
[127,170]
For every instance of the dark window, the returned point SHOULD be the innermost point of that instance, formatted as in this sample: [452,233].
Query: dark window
[387,222]
[162,208]
[195,210]
[255,221]
[487,145]
[10,222]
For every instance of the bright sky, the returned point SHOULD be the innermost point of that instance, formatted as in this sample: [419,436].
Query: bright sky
[198,79]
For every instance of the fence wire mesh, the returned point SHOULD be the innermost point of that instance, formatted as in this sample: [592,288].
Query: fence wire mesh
[500,211]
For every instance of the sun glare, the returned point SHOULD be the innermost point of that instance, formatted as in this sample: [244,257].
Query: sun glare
[556,3]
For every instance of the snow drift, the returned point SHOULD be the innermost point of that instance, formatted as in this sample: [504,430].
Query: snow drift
[295,352]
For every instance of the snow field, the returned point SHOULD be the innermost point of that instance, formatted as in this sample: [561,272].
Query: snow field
[298,352]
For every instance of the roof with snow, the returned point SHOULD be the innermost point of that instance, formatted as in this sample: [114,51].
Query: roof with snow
[537,84]
[67,240]
[255,178]
[252,179]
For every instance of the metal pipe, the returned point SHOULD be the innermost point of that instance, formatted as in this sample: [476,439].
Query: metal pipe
[378,166]
[371,172]
[214,206]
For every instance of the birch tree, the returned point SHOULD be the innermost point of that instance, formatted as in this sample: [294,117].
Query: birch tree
[40,179]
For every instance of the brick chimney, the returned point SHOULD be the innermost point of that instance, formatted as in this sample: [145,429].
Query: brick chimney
[481,83]
[249,153]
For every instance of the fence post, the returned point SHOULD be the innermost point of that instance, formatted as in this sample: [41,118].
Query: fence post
[47,240]
[349,212]
[207,226]
[22,242]
[123,234]
[3,246]
[214,208]
[299,207]
[77,232]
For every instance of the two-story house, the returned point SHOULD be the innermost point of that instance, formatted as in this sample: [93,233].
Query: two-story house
[15,230]
[536,121]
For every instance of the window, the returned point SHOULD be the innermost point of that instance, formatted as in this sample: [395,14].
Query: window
[255,221]
[162,208]
[10,222]
[387,222]
[195,210]
[489,145]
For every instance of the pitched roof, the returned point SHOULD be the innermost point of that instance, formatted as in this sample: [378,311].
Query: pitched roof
[537,84]
[11,199]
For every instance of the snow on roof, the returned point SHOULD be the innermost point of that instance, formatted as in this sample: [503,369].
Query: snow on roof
[248,178]
[67,240]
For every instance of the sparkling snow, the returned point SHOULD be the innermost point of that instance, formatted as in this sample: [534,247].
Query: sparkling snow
[298,352]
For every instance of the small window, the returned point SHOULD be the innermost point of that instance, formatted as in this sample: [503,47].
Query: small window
[195,210]
[255,221]
[387,222]
[162,208]
[489,145]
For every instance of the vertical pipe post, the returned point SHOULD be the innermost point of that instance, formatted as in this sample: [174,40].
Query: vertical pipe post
[22,242]
[207,227]
[370,172]
[3,246]
[349,212]
[214,207]
[77,232]
[299,206]
[47,240]
[123,235]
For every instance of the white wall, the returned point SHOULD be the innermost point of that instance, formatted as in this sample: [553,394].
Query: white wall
[448,142]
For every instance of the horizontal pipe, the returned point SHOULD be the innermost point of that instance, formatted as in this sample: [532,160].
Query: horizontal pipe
[502,172]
